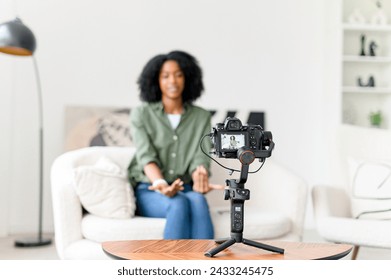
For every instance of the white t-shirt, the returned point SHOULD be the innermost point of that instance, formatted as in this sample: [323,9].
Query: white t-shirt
[174,120]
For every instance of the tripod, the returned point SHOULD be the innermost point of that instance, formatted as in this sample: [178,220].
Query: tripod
[238,194]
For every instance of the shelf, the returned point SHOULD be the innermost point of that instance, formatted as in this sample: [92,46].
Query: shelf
[366,27]
[370,59]
[360,27]
[370,90]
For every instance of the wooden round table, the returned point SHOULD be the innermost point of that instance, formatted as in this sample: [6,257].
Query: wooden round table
[190,249]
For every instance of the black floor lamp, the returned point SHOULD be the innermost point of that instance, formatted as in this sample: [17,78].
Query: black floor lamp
[17,39]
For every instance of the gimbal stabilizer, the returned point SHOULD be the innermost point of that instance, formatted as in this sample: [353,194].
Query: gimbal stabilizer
[237,193]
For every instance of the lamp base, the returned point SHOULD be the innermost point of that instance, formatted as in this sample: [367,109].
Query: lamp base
[33,242]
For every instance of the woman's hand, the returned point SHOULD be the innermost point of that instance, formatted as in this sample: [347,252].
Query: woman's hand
[201,184]
[200,180]
[168,190]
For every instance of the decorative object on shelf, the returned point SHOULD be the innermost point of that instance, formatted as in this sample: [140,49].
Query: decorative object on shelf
[17,39]
[362,38]
[379,17]
[372,47]
[356,17]
[371,82]
[376,118]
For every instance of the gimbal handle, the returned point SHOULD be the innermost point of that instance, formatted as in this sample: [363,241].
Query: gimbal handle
[243,174]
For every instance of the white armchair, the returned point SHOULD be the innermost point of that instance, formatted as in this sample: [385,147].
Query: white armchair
[333,209]
[275,211]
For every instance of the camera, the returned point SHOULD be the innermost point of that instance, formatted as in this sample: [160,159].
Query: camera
[231,139]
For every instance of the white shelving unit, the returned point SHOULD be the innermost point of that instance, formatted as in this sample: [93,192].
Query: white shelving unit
[366,59]
[366,27]
[359,102]
[369,90]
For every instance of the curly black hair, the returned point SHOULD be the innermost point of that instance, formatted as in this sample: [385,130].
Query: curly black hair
[149,79]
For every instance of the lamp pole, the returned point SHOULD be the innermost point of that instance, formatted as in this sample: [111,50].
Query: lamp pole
[39,241]
[41,155]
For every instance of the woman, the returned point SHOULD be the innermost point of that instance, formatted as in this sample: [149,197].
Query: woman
[169,171]
[233,143]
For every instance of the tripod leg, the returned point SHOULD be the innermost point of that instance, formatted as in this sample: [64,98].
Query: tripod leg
[263,246]
[221,241]
[220,248]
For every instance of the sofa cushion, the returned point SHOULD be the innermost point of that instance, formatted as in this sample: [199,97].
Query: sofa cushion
[257,226]
[103,189]
[102,229]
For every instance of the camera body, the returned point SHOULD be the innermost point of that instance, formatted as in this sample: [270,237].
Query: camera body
[231,139]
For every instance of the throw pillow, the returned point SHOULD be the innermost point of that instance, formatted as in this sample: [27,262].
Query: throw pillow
[370,188]
[104,190]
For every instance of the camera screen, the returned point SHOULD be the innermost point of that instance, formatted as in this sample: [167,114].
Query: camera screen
[232,141]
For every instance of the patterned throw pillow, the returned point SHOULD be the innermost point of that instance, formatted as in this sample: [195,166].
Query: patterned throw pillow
[370,182]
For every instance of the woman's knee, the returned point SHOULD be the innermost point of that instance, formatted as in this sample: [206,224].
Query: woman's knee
[179,202]
[197,198]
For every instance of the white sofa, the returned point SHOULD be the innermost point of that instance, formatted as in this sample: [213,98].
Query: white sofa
[275,210]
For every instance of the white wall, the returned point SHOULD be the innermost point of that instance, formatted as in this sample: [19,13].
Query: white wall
[270,53]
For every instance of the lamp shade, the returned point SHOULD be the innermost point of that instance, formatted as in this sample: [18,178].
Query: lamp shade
[16,38]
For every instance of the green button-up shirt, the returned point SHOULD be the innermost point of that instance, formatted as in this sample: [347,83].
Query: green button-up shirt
[176,152]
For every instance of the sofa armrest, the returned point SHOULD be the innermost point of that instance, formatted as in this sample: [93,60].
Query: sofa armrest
[67,209]
[273,189]
[278,189]
[330,201]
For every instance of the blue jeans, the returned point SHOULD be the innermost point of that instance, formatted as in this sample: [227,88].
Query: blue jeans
[187,213]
